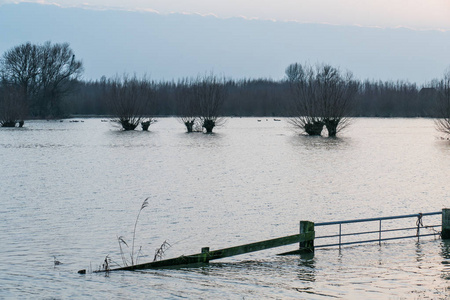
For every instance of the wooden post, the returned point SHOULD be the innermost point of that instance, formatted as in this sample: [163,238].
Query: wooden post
[205,255]
[306,227]
[445,223]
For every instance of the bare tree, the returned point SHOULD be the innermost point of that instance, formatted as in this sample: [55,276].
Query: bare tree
[335,94]
[58,70]
[130,101]
[210,93]
[304,109]
[20,66]
[322,96]
[443,109]
[12,106]
[45,73]
[187,106]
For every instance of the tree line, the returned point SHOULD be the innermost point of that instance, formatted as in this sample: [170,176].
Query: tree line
[44,81]
[267,97]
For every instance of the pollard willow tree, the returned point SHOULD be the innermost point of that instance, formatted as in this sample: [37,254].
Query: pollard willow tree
[304,109]
[130,101]
[321,96]
[443,107]
[187,107]
[209,95]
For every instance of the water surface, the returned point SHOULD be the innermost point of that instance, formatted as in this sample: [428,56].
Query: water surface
[70,188]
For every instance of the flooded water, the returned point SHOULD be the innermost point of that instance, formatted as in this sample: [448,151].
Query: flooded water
[69,189]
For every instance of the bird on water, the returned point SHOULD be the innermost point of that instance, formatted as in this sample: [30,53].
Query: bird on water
[56,262]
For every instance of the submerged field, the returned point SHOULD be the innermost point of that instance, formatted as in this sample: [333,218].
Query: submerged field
[70,188]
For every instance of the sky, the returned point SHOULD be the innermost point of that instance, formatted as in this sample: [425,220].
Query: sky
[177,41]
[414,14]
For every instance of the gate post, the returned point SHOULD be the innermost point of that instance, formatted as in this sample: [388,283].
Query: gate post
[306,231]
[445,223]
[204,257]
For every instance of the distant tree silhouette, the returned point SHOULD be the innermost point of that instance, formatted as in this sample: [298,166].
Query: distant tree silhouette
[45,74]
[88,98]
[256,97]
[391,99]
[58,70]
[20,66]
[12,106]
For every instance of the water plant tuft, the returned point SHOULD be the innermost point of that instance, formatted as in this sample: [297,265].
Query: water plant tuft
[134,255]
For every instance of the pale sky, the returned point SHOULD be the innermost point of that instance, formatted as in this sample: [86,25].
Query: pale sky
[415,14]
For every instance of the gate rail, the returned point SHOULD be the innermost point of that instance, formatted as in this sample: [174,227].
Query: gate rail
[419,225]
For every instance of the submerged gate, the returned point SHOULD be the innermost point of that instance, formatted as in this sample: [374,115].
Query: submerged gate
[307,237]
